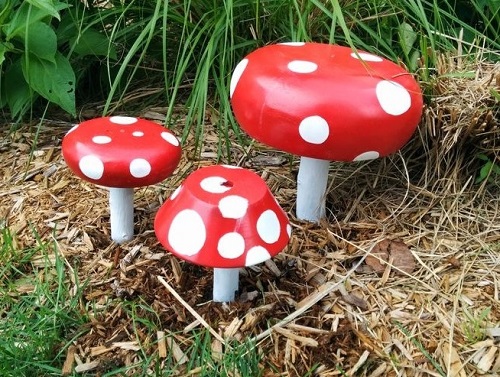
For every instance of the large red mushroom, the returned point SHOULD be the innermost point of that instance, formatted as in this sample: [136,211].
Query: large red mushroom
[226,218]
[121,153]
[324,102]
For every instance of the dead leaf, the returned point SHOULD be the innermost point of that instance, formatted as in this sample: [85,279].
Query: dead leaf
[355,301]
[387,250]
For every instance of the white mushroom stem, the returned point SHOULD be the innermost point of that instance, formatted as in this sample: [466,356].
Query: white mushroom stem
[121,214]
[311,188]
[225,284]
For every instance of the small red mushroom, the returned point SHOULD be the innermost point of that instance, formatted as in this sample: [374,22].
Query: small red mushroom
[324,102]
[223,217]
[121,153]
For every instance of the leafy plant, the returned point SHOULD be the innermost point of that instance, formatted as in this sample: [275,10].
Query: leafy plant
[488,170]
[34,54]
[475,327]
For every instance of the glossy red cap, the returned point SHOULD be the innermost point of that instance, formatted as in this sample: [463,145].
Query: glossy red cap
[121,151]
[325,101]
[223,217]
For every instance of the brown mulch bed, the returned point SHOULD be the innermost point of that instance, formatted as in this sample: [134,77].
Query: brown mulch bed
[392,283]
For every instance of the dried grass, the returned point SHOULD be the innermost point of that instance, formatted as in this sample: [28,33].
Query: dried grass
[328,307]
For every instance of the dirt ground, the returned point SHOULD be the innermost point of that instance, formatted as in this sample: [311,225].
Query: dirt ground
[393,283]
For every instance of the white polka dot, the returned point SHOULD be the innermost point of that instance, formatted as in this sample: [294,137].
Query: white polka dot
[101,139]
[314,129]
[289,230]
[140,168]
[268,226]
[367,57]
[72,128]
[123,120]
[137,133]
[167,136]
[235,78]
[393,98]
[233,207]
[296,44]
[187,233]
[175,193]
[231,245]
[255,255]
[371,155]
[215,185]
[92,167]
[302,66]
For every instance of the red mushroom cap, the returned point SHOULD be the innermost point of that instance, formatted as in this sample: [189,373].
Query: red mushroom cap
[325,101]
[222,217]
[121,151]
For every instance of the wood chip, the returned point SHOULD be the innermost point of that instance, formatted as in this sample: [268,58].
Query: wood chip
[391,250]
[162,345]
[217,350]
[131,346]
[486,362]
[68,363]
[177,353]
[291,335]
[359,363]
[452,361]
[99,350]
[232,328]
[85,367]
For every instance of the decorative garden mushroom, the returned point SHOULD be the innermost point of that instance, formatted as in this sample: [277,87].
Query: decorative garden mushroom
[324,102]
[223,217]
[121,153]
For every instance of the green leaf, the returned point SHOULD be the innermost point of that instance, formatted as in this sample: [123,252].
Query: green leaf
[484,172]
[15,89]
[41,40]
[407,37]
[53,81]
[495,94]
[26,15]
[5,9]
[3,50]
[47,5]
[91,42]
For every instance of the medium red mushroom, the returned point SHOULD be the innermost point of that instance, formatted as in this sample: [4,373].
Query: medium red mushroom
[226,218]
[324,102]
[121,153]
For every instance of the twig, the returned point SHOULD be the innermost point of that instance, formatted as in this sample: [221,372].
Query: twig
[191,310]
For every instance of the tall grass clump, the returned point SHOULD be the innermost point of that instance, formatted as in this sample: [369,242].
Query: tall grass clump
[39,309]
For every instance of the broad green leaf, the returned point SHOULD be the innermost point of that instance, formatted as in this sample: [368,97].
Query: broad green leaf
[5,9]
[15,89]
[25,15]
[46,5]
[91,42]
[41,40]
[407,37]
[53,81]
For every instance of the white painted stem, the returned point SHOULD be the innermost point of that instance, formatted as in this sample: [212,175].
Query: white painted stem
[226,282]
[121,214]
[311,188]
